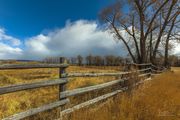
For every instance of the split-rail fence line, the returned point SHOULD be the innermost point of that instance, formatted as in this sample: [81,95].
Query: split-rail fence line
[146,70]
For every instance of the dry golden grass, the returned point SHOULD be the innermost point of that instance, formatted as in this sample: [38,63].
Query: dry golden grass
[155,100]
[158,99]
[20,101]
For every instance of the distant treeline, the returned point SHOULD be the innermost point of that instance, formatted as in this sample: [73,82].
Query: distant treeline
[108,60]
[95,60]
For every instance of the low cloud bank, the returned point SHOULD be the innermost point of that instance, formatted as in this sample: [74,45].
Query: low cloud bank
[79,37]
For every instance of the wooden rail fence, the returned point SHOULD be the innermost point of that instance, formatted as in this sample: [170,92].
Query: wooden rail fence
[146,71]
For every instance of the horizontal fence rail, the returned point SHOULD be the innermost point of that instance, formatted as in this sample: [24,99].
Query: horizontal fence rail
[37,110]
[21,87]
[96,74]
[145,64]
[31,66]
[103,74]
[145,72]
[97,99]
[78,91]
[87,103]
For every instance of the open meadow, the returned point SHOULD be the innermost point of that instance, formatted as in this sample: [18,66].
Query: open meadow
[20,101]
[90,60]
[157,99]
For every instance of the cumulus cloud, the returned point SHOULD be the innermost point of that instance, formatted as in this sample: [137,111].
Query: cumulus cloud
[80,37]
[9,46]
[8,52]
[8,39]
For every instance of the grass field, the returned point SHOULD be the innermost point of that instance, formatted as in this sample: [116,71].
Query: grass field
[33,98]
[157,99]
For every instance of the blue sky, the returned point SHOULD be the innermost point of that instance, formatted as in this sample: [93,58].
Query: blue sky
[26,18]
[35,29]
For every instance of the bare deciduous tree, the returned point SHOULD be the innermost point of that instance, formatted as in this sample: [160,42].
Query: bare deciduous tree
[141,27]
[80,60]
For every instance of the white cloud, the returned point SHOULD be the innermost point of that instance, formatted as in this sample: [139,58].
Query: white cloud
[177,49]
[9,46]
[80,37]
[8,52]
[8,39]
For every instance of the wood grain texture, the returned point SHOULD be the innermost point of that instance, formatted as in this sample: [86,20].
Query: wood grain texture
[96,74]
[78,91]
[90,102]
[33,111]
[31,66]
[27,86]
[104,74]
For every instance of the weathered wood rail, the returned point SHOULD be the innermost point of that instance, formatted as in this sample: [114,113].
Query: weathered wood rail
[147,71]
[78,91]
[29,66]
[28,86]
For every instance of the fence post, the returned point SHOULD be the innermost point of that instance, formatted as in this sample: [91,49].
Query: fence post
[62,87]
[150,70]
[62,74]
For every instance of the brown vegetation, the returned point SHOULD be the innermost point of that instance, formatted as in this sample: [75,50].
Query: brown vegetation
[155,100]
[21,101]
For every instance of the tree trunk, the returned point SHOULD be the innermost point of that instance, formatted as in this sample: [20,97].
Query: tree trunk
[151,49]
[166,53]
[162,30]
[167,43]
